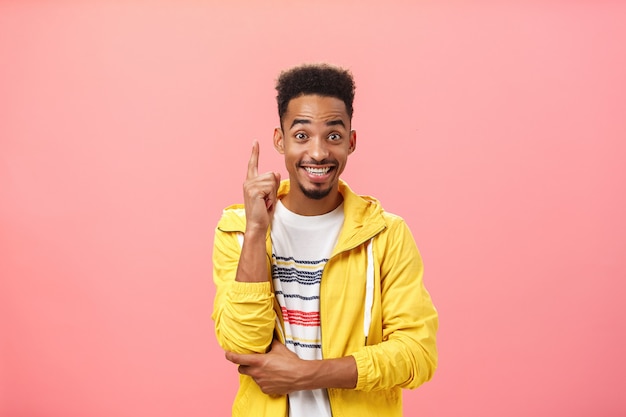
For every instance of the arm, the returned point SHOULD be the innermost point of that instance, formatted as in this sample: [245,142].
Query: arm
[280,371]
[260,195]
[243,306]
[406,352]
[243,312]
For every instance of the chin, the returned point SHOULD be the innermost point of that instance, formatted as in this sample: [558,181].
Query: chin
[316,193]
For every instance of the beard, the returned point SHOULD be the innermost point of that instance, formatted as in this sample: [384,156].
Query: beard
[315,194]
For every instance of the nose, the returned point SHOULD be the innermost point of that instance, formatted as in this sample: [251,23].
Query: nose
[318,149]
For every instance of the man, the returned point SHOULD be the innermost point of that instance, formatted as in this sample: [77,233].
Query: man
[320,299]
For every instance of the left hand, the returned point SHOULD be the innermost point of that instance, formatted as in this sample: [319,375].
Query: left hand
[276,372]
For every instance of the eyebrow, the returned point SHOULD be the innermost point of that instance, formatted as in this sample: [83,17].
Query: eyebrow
[337,122]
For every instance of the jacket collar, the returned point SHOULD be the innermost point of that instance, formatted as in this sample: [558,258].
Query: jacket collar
[363,217]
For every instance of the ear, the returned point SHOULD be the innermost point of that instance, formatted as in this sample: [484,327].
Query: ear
[352,142]
[279,143]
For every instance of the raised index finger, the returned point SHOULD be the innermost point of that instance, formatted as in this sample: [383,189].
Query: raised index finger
[253,164]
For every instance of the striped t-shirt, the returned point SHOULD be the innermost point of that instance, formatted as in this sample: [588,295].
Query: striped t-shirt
[301,246]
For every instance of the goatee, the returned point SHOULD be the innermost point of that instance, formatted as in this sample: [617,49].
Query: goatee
[315,194]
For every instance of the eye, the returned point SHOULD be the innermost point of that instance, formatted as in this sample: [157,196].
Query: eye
[334,136]
[300,136]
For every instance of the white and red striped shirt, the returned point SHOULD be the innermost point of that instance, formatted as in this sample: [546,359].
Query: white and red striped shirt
[301,246]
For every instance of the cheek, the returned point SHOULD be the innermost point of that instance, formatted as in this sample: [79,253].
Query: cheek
[291,159]
[343,155]
[295,153]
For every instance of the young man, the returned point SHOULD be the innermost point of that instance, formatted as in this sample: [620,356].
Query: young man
[320,299]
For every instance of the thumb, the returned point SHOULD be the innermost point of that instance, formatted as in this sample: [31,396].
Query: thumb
[234,357]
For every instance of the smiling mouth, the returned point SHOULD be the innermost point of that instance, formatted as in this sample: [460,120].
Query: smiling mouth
[319,171]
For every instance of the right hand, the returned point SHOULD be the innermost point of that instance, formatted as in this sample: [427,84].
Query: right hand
[259,194]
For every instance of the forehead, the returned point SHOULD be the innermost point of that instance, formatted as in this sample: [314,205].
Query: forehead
[316,107]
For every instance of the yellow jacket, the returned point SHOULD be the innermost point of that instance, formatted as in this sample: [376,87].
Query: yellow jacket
[399,350]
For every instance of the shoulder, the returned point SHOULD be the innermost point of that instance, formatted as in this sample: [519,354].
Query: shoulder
[393,220]
[395,228]
[233,219]
[376,212]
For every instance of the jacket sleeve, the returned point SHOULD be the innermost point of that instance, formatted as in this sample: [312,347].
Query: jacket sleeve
[243,312]
[407,355]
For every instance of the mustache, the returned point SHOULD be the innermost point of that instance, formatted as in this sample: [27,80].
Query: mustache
[325,161]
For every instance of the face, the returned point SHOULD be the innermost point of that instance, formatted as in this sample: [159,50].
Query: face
[316,139]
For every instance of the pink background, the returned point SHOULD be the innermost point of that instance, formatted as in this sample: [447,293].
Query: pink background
[497,131]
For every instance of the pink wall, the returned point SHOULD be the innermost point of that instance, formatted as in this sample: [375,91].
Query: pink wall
[498,132]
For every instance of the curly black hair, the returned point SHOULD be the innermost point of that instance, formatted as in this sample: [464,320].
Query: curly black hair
[321,79]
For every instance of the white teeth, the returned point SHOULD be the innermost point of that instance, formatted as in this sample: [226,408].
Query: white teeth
[317,171]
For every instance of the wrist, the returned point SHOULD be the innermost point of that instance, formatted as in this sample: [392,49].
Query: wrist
[255,233]
[328,373]
[307,375]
